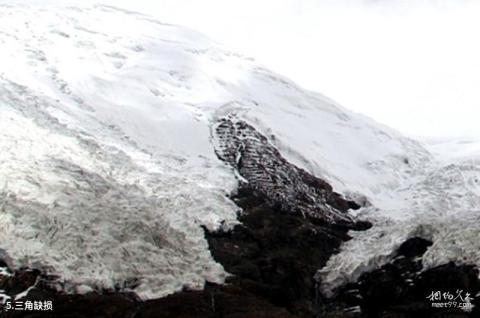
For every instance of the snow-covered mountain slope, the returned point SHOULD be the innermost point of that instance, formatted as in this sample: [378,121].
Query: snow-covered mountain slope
[440,204]
[108,167]
[454,149]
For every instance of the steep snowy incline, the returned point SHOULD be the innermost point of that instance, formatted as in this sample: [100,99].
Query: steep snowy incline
[107,168]
[441,204]
[135,72]
[104,180]
[454,149]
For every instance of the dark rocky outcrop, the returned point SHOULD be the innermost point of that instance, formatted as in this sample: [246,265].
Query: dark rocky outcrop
[284,186]
[275,254]
[213,302]
[401,288]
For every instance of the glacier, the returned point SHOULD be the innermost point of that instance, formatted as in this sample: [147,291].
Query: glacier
[108,168]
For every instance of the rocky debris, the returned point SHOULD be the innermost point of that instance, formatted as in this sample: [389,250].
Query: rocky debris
[415,246]
[275,254]
[285,186]
[402,288]
[14,283]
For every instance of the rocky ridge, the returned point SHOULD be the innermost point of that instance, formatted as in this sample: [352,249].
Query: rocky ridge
[285,186]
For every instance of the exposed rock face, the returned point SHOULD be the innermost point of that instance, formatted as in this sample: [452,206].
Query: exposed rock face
[402,289]
[212,302]
[275,254]
[285,186]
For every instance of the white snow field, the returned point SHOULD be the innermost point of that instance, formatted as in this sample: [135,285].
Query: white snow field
[108,172]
